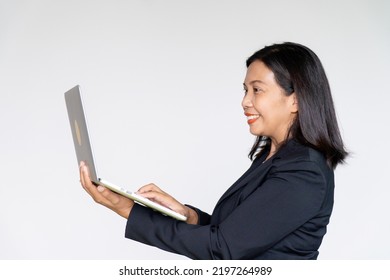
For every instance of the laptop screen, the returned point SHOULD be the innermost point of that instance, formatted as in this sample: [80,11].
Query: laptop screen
[78,124]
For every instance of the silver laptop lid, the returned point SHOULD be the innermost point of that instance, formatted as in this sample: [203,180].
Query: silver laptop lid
[78,124]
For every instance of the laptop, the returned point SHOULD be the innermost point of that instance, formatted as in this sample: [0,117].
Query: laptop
[83,146]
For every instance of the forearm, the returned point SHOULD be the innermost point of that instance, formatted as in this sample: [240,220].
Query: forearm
[149,227]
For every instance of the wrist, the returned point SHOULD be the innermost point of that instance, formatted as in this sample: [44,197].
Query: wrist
[192,216]
[125,213]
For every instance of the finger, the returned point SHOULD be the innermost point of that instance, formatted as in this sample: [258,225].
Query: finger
[81,173]
[85,180]
[91,188]
[98,194]
[167,201]
[160,198]
[113,201]
[110,196]
[84,175]
[149,188]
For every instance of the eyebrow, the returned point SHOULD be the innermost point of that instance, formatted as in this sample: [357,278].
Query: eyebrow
[254,81]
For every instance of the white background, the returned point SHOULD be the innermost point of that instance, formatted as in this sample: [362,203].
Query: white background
[162,82]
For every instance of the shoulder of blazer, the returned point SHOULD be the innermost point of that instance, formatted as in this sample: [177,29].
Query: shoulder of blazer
[294,151]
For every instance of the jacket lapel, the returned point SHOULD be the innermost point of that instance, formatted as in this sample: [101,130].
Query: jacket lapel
[255,173]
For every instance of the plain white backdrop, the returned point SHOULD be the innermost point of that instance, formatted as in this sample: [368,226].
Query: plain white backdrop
[162,82]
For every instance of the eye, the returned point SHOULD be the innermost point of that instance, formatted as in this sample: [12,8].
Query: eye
[257,90]
[245,91]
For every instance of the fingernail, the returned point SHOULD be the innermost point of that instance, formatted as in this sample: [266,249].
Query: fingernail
[100,189]
[82,163]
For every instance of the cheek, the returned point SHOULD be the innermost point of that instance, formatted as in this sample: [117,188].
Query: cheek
[272,114]
[259,104]
[264,107]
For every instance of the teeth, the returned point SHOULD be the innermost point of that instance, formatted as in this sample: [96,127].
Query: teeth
[253,117]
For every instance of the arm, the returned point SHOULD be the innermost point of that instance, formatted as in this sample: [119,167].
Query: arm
[291,195]
[203,218]
[154,193]
[123,205]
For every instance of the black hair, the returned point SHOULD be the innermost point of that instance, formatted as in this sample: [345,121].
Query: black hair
[297,69]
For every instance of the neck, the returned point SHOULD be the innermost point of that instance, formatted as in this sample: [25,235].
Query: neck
[275,145]
[270,154]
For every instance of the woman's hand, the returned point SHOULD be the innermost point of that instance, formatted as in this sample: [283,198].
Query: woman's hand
[154,193]
[117,203]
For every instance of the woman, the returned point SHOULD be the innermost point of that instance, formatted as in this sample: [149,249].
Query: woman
[280,207]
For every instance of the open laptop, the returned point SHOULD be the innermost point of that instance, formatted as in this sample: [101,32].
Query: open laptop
[82,144]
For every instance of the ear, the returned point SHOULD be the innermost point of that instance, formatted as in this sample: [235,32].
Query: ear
[294,103]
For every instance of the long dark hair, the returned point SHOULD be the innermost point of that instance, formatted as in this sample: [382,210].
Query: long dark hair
[297,69]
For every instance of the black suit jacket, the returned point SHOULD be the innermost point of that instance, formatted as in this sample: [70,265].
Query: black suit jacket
[278,209]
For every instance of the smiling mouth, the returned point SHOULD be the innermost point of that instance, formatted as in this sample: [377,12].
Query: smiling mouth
[251,118]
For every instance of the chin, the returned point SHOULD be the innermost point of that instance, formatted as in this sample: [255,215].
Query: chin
[255,132]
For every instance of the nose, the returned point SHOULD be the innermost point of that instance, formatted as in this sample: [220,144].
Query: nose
[247,101]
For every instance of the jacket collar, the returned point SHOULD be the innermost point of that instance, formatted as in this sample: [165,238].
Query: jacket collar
[258,170]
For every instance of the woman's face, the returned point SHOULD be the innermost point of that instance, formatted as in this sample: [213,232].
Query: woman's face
[269,111]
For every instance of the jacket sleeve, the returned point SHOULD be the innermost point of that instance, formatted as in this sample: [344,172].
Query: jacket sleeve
[290,196]
[149,227]
[203,218]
